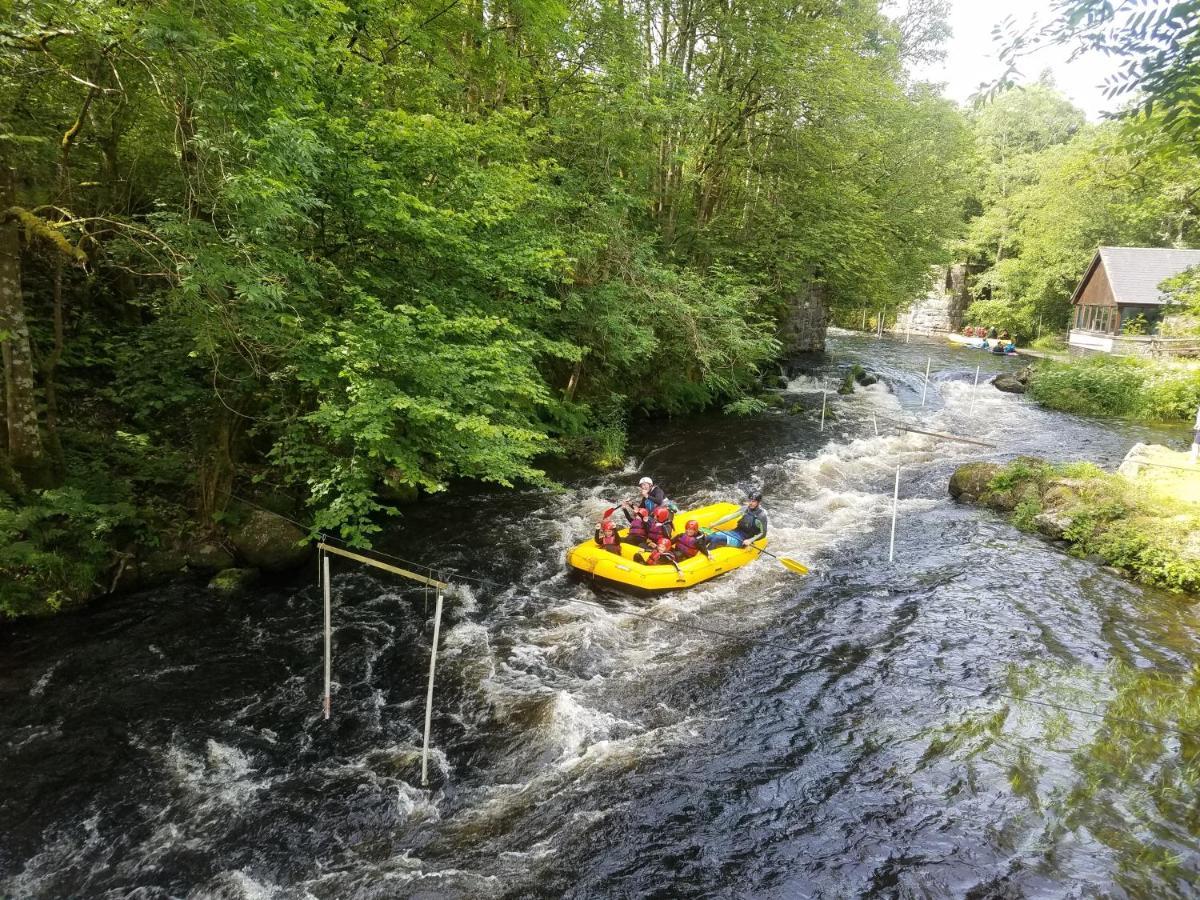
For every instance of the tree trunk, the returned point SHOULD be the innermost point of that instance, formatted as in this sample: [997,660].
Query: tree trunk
[24,439]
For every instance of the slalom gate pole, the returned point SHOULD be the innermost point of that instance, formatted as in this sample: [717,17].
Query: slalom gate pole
[328,633]
[875,422]
[895,506]
[437,627]
[975,389]
[925,389]
[824,398]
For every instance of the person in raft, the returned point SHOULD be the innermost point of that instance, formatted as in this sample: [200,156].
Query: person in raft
[660,525]
[607,537]
[751,525]
[690,541]
[661,555]
[652,496]
[639,526]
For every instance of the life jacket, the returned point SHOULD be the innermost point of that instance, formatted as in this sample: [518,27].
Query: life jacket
[607,538]
[658,530]
[748,523]
[637,527]
[660,557]
[687,544]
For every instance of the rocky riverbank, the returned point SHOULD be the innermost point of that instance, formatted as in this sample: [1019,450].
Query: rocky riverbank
[50,576]
[1143,521]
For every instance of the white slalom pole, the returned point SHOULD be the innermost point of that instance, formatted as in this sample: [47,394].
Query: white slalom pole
[824,398]
[875,422]
[975,389]
[328,633]
[895,505]
[925,389]
[437,627]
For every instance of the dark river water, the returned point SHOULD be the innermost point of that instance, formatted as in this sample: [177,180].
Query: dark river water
[831,743]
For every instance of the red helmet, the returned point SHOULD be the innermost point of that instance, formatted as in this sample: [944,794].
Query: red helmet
[692,525]
[662,514]
[643,512]
[664,543]
[608,525]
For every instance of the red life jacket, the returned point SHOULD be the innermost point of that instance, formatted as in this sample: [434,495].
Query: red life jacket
[658,530]
[607,538]
[637,528]
[662,557]
[687,544]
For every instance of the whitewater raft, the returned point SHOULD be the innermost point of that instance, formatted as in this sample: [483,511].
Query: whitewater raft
[593,562]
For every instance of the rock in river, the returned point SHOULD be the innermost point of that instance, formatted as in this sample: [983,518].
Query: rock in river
[1009,384]
[269,542]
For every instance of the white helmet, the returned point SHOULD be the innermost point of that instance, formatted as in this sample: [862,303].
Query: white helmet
[646,479]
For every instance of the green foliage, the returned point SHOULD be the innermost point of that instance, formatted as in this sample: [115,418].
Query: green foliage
[1144,533]
[335,248]
[1146,390]
[55,546]
[1136,325]
[746,406]
[1051,343]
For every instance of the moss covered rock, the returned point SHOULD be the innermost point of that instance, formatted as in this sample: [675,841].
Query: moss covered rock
[233,581]
[1110,520]
[269,542]
[970,482]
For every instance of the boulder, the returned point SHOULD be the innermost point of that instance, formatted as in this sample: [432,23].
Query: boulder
[970,482]
[1010,384]
[268,542]
[232,582]
[1053,523]
[867,379]
[207,556]
[1010,499]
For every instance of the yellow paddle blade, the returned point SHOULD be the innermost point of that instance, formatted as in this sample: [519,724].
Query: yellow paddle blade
[798,568]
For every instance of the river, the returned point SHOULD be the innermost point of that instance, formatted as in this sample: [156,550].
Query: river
[849,734]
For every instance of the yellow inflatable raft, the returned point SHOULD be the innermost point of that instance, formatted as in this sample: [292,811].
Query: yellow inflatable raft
[594,562]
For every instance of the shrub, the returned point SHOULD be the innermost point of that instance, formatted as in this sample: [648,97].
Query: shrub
[1147,390]
[55,546]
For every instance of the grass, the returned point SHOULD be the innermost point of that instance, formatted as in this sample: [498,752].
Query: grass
[1143,528]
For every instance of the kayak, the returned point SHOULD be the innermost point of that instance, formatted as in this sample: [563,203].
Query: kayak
[597,563]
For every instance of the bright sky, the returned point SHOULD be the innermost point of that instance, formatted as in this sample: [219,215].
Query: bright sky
[972,56]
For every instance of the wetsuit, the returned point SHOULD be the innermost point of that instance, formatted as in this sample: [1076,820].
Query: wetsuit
[751,525]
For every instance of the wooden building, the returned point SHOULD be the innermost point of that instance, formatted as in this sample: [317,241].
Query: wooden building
[1121,284]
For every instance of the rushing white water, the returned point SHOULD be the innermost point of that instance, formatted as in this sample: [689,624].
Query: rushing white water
[580,747]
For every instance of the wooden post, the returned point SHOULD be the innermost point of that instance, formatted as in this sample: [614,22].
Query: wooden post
[437,628]
[864,325]
[824,397]
[925,389]
[328,634]
[975,389]
[895,506]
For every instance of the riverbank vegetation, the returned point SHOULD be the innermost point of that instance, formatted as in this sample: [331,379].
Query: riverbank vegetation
[1141,528]
[333,255]
[1141,389]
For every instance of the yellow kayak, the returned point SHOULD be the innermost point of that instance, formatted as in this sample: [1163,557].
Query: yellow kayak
[595,562]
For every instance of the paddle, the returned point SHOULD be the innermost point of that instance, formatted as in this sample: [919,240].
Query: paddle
[791,564]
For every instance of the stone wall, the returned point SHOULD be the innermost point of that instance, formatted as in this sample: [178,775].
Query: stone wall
[942,308]
[803,327]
